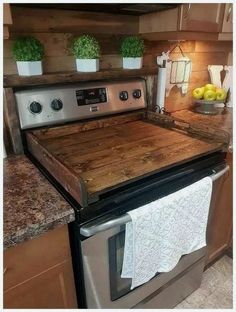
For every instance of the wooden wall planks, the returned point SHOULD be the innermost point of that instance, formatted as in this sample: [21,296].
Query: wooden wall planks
[53,20]
[11,127]
[57,28]
[202,54]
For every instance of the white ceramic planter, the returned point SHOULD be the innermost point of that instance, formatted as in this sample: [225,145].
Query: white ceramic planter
[132,62]
[87,65]
[29,68]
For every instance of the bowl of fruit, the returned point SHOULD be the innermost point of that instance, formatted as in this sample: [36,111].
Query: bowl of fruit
[206,98]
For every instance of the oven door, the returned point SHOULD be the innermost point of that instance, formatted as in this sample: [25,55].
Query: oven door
[102,254]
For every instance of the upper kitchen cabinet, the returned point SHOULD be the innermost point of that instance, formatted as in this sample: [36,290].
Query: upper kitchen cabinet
[228,18]
[227,25]
[189,22]
[7,19]
[205,17]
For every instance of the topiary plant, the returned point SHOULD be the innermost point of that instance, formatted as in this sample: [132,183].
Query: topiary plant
[86,47]
[132,46]
[27,49]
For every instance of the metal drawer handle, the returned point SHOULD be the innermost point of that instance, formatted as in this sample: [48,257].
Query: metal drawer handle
[5,271]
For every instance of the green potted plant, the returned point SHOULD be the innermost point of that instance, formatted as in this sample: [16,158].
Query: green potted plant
[132,49]
[87,52]
[28,53]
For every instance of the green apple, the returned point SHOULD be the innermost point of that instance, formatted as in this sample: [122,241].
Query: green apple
[198,93]
[209,95]
[210,86]
[220,94]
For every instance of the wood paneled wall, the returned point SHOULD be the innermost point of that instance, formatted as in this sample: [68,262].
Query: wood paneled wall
[57,28]
[202,54]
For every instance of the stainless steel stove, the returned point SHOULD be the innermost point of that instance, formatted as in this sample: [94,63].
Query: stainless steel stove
[59,104]
[63,127]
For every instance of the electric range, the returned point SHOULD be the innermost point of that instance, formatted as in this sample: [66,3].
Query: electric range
[107,154]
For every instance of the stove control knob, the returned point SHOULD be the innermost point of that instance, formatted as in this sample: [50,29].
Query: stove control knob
[35,107]
[56,104]
[124,96]
[137,93]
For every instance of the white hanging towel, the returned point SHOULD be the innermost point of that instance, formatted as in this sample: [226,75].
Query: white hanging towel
[164,230]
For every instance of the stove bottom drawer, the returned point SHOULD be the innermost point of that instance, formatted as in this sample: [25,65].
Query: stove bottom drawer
[175,291]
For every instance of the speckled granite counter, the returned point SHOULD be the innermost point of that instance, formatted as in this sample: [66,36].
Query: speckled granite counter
[223,120]
[32,205]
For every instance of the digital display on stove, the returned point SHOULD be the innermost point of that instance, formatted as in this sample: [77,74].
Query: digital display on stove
[91,96]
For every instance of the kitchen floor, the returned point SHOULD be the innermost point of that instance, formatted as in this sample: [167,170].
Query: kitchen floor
[216,291]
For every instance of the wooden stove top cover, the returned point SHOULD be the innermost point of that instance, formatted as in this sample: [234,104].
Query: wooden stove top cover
[116,154]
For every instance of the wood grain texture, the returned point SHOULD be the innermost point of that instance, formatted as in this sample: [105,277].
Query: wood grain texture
[203,130]
[56,131]
[22,261]
[53,289]
[69,77]
[72,183]
[46,20]
[39,274]
[108,157]
[66,63]
[222,121]
[159,21]
[56,30]
[202,17]
[220,221]
[12,121]
[201,53]
[181,35]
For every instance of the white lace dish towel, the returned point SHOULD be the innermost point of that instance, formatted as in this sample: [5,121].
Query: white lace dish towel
[164,230]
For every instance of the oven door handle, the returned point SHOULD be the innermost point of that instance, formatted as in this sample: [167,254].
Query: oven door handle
[90,230]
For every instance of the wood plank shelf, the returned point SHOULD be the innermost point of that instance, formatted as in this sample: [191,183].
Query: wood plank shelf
[70,77]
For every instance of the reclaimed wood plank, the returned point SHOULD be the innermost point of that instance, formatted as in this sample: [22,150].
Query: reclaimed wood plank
[203,131]
[122,152]
[66,77]
[81,126]
[108,157]
[122,137]
[72,183]
[56,20]
[12,121]
[107,177]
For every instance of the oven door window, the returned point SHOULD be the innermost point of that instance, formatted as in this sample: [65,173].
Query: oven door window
[118,286]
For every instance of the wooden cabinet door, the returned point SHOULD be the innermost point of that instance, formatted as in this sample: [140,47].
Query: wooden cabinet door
[51,289]
[7,19]
[219,232]
[227,25]
[38,273]
[201,17]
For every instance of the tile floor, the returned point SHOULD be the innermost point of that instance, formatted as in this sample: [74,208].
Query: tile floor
[216,290]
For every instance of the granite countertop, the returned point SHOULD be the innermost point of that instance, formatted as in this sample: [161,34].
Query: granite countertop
[223,120]
[32,205]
